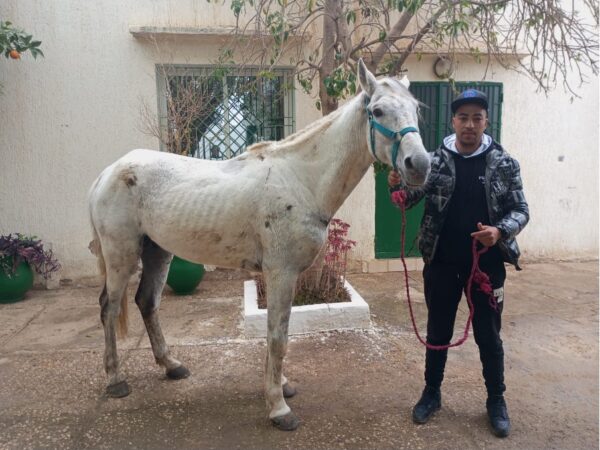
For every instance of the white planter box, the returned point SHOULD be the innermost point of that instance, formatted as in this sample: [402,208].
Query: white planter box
[308,318]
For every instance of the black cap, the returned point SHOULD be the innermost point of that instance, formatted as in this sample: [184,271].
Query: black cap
[470,96]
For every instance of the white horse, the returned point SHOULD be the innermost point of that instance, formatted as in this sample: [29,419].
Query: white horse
[266,210]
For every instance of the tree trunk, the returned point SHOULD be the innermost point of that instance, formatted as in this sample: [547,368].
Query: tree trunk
[331,17]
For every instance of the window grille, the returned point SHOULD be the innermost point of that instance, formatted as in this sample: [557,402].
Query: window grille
[239,107]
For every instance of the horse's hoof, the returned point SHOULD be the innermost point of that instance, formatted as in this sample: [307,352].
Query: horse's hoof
[121,389]
[288,390]
[289,422]
[178,373]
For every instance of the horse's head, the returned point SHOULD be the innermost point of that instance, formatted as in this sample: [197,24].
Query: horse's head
[393,133]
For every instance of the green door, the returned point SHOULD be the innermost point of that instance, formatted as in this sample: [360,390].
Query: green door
[434,124]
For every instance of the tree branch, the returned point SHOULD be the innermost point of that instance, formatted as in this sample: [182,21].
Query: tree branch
[391,38]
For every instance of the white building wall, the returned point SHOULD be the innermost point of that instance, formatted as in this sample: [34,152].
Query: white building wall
[64,117]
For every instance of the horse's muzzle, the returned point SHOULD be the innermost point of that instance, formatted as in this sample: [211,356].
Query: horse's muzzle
[416,169]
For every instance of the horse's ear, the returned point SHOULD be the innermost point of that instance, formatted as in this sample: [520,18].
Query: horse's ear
[405,82]
[367,80]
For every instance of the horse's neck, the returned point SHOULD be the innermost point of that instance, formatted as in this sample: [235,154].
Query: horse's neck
[336,159]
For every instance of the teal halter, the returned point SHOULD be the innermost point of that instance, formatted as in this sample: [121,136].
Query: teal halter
[374,125]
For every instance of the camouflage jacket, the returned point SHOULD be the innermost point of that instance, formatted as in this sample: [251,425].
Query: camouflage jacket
[507,207]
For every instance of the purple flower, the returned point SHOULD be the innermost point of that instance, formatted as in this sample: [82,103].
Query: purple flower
[15,248]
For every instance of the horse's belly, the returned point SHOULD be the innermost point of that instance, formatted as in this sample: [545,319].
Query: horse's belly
[207,218]
[235,247]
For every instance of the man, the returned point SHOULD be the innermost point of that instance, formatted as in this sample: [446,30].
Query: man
[474,190]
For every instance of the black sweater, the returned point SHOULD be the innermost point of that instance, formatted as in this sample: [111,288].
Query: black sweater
[468,206]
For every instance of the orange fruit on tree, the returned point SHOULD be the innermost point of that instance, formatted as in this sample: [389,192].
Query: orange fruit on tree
[14,54]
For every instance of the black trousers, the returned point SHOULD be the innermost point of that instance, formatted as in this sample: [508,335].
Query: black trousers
[444,286]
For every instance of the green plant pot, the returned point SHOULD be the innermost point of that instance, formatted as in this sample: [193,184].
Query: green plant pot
[13,288]
[184,276]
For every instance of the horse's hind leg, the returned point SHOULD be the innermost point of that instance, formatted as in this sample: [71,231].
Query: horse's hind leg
[120,262]
[155,268]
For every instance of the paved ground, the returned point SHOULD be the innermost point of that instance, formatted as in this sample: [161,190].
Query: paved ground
[355,389]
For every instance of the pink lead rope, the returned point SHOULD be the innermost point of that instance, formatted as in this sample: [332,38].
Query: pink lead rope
[480,278]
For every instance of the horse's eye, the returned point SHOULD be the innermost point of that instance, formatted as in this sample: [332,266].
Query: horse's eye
[377,112]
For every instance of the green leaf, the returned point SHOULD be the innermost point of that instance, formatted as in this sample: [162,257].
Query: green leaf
[351,17]
[414,5]
[379,167]
[382,35]
[306,84]
[237,6]
[266,74]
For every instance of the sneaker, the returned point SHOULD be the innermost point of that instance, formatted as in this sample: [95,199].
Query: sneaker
[430,402]
[498,414]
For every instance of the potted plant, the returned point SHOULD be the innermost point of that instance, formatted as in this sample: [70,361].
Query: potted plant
[19,256]
[184,276]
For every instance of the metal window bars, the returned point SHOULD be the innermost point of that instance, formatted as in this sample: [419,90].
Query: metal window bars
[227,109]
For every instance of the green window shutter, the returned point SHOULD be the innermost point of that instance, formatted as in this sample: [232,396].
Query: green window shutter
[436,117]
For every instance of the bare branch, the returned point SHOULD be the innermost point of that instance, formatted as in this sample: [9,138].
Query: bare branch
[422,33]
[187,100]
[390,39]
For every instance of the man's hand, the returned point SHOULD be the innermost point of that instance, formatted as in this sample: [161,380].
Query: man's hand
[487,234]
[394,178]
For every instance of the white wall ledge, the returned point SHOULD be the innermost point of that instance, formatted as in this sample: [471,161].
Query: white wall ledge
[144,31]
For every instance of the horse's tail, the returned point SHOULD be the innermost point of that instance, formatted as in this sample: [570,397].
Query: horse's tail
[96,249]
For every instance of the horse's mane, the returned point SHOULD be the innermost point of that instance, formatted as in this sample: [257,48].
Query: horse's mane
[302,135]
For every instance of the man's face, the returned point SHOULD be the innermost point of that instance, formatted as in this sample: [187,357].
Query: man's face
[469,123]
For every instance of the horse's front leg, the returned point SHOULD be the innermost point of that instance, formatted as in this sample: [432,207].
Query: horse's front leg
[280,291]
